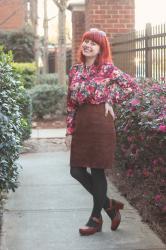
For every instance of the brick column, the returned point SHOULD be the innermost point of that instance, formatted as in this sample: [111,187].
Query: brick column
[112,16]
[78,25]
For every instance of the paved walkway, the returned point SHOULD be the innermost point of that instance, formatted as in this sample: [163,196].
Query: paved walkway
[49,206]
[48,133]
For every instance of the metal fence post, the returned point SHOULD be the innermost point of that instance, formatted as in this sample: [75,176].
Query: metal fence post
[148,50]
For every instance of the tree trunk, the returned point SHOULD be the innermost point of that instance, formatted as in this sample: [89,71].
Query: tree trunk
[45,24]
[62,5]
[34,19]
[62,46]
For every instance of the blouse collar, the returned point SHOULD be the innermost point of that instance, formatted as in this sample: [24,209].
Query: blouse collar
[88,71]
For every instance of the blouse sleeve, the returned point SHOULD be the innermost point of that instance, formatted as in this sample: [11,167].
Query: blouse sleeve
[121,85]
[71,106]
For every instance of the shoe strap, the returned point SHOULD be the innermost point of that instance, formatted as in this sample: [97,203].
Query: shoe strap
[112,205]
[94,222]
[97,220]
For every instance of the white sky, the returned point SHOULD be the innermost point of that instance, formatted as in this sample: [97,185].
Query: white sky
[153,11]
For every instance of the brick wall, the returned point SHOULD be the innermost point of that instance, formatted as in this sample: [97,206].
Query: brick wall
[112,16]
[12,14]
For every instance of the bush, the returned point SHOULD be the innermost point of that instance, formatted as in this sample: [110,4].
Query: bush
[46,99]
[25,104]
[27,71]
[141,130]
[21,43]
[15,121]
[47,79]
[10,124]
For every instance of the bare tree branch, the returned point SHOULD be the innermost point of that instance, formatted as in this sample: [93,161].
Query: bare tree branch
[57,3]
[61,4]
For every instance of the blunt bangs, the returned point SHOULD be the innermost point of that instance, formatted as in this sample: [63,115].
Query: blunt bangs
[94,36]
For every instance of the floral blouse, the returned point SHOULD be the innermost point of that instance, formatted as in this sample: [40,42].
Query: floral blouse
[94,85]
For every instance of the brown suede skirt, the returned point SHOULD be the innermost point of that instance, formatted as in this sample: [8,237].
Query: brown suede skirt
[94,138]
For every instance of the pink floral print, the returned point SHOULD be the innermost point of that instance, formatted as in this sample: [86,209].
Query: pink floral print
[95,85]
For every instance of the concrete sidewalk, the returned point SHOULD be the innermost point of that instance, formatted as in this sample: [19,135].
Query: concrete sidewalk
[49,206]
[48,133]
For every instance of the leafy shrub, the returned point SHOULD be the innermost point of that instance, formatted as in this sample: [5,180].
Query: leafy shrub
[10,124]
[46,99]
[47,79]
[27,71]
[25,103]
[21,43]
[141,130]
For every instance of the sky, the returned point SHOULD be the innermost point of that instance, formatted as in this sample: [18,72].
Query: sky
[153,11]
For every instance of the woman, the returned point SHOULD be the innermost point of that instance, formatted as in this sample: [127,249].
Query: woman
[90,124]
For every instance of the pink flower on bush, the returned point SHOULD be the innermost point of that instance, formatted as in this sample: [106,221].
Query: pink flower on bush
[161,160]
[123,148]
[134,149]
[141,137]
[163,182]
[135,102]
[155,162]
[130,138]
[157,198]
[129,172]
[156,87]
[163,78]
[145,173]
[161,116]
[162,128]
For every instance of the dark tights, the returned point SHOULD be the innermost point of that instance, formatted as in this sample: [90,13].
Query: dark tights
[96,184]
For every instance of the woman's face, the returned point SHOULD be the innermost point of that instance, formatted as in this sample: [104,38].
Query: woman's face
[90,48]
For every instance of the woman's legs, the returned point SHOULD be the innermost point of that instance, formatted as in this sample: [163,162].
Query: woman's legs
[96,184]
[99,191]
[81,175]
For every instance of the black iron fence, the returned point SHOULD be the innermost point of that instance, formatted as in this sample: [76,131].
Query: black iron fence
[142,53]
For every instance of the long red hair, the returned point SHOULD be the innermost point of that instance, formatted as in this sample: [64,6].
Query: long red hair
[105,51]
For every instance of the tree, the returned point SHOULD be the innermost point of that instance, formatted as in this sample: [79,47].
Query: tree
[45,25]
[62,5]
[34,21]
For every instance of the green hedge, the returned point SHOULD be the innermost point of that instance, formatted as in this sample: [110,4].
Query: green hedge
[15,121]
[47,79]
[10,124]
[27,71]
[25,104]
[47,99]
[21,43]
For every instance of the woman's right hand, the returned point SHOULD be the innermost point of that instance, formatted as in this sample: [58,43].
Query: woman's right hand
[68,140]
[109,109]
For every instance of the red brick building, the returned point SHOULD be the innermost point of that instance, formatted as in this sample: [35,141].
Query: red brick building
[13,14]
[112,16]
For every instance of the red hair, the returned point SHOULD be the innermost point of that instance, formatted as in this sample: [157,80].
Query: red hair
[102,41]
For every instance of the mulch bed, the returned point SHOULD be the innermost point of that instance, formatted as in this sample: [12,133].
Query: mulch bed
[135,190]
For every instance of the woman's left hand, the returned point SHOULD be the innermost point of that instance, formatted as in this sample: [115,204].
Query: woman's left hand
[108,108]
